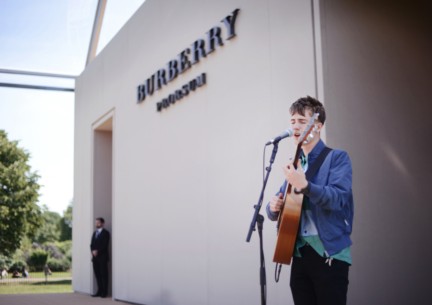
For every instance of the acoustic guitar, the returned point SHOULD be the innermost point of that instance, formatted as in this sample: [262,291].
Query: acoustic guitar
[289,216]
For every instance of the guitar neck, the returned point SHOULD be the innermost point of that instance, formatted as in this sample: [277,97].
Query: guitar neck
[303,137]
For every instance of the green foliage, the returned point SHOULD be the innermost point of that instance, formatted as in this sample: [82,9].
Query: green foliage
[17,265]
[49,230]
[19,213]
[53,250]
[56,264]
[58,250]
[59,255]
[66,248]
[65,224]
[37,260]
[5,262]
[28,233]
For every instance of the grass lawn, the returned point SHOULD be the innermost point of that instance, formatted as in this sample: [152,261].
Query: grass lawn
[58,282]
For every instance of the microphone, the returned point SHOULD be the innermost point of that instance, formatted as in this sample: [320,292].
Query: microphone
[287,133]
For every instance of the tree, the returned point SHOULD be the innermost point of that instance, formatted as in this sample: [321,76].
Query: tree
[19,212]
[65,224]
[37,260]
[49,230]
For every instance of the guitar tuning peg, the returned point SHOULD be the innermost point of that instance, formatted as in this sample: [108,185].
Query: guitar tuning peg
[309,138]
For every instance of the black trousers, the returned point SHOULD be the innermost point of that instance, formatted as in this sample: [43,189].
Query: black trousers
[314,282]
[100,268]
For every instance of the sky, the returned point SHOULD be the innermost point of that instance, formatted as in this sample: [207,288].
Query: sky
[43,122]
[49,36]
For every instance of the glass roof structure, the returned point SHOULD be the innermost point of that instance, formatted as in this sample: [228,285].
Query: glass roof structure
[45,44]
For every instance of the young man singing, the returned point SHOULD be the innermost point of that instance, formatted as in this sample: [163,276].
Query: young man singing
[322,255]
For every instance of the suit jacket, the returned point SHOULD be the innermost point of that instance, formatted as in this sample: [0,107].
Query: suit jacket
[101,244]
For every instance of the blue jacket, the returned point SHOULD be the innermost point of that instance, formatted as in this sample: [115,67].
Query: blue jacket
[331,199]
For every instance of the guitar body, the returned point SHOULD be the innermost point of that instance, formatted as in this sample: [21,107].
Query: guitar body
[289,220]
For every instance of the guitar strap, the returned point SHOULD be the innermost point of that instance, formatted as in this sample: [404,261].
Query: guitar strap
[310,173]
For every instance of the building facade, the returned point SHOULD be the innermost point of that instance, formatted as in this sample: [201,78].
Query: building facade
[171,118]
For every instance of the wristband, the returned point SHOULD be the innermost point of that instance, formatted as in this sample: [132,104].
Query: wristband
[304,191]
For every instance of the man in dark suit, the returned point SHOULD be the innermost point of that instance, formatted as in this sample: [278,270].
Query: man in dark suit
[99,250]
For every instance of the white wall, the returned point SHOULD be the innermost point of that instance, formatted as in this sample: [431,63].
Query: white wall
[186,179]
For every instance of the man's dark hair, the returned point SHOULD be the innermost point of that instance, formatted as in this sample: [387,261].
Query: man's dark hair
[311,104]
[101,219]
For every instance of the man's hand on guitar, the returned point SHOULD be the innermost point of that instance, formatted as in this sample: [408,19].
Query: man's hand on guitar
[296,177]
[276,203]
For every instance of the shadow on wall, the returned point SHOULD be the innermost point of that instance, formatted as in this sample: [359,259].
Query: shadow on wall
[166,298]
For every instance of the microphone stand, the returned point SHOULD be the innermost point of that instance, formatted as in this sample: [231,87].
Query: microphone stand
[258,220]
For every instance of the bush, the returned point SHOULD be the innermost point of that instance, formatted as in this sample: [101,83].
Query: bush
[65,246]
[5,262]
[17,265]
[59,264]
[69,256]
[37,260]
[53,250]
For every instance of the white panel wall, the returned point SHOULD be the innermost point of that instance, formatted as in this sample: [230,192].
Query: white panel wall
[185,180]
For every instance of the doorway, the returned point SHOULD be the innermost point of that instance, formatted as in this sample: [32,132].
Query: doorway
[102,180]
